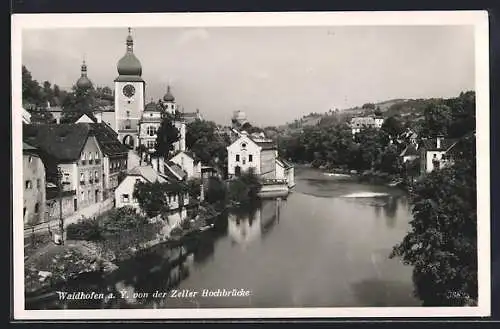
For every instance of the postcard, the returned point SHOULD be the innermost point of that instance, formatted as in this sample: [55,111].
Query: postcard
[251,165]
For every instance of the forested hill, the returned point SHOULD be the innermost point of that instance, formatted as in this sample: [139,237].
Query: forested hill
[407,109]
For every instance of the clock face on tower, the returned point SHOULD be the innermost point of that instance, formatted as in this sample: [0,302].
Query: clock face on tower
[128,91]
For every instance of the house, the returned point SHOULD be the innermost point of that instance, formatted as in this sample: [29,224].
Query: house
[187,161]
[410,153]
[359,123]
[247,153]
[434,154]
[71,154]
[285,171]
[115,156]
[34,196]
[125,190]
[189,117]
[149,124]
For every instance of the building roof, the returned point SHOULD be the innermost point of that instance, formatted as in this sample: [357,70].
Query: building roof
[173,168]
[108,139]
[431,144]
[285,163]
[89,115]
[148,173]
[151,107]
[64,142]
[409,151]
[265,145]
[128,78]
[27,147]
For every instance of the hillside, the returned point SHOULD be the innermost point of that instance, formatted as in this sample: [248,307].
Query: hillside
[409,109]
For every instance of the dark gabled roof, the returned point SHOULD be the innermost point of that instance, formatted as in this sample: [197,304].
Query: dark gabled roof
[175,168]
[431,144]
[409,151]
[266,145]
[107,139]
[63,142]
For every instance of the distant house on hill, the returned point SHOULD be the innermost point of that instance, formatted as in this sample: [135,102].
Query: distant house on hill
[410,153]
[359,123]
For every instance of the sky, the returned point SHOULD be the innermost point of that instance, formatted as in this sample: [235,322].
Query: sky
[273,74]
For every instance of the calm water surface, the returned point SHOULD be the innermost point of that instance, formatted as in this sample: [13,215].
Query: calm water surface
[326,245]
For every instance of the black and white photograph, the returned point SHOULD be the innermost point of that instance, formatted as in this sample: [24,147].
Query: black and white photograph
[251,165]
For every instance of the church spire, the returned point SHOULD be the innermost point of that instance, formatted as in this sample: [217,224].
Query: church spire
[130,41]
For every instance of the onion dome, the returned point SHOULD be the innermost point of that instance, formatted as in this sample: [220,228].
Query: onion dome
[129,64]
[168,96]
[83,82]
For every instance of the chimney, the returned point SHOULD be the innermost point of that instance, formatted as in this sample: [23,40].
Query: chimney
[438,141]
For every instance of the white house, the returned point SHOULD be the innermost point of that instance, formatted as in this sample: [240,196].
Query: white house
[247,152]
[434,154]
[285,171]
[359,123]
[125,190]
[186,160]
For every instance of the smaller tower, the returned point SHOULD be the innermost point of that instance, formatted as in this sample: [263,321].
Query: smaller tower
[168,102]
[84,82]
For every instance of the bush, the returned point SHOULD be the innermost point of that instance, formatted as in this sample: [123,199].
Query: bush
[86,229]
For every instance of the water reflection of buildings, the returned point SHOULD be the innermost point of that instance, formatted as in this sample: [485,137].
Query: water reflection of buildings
[248,225]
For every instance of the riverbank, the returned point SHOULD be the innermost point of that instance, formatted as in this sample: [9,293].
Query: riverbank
[367,176]
[54,265]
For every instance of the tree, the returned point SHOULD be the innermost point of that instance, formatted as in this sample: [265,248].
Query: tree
[368,106]
[124,218]
[442,243]
[152,198]
[207,144]
[393,126]
[437,119]
[166,136]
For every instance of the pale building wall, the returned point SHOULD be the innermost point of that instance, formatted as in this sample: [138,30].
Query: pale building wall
[268,164]
[239,153]
[34,189]
[186,163]
[90,174]
[430,156]
[124,192]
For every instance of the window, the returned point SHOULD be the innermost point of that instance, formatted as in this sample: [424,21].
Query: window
[96,175]
[82,196]
[125,198]
[66,178]
[38,183]
[150,114]
[151,130]
[91,157]
[30,159]
[28,184]
[82,177]
[128,114]
[37,206]
[137,180]
[243,145]
[250,158]
[24,212]
[237,157]
[90,195]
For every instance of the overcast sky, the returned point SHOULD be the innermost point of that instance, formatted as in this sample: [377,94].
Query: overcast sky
[274,74]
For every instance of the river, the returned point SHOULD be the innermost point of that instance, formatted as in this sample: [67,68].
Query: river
[326,245]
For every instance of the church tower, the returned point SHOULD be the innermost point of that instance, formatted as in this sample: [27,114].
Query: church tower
[168,102]
[129,95]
